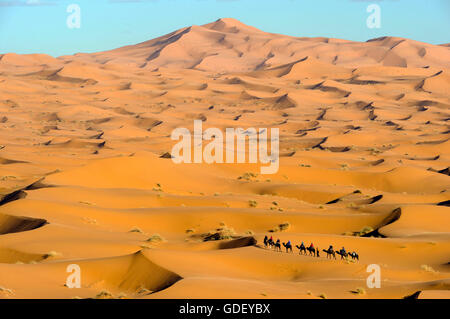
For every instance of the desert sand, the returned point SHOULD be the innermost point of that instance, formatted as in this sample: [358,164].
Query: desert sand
[365,157]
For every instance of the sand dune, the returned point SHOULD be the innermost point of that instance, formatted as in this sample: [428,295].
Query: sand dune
[227,45]
[86,176]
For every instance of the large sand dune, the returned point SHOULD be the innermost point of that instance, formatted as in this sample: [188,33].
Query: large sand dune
[364,163]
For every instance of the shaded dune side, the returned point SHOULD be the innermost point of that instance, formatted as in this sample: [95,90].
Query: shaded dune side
[415,220]
[15,195]
[130,273]
[219,243]
[9,195]
[390,219]
[357,198]
[14,224]
[433,289]
[238,243]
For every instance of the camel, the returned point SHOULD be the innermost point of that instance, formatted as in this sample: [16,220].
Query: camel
[277,246]
[330,253]
[288,247]
[354,255]
[270,243]
[342,253]
[312,251]
[301,249]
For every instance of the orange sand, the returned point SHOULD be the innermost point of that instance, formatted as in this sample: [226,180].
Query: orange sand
[82,181]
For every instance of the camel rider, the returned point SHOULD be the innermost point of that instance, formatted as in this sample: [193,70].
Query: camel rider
[331,248]
[343,250]
[311,246]
[288,243]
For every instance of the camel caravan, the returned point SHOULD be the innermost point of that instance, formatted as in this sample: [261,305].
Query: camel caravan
[310,250]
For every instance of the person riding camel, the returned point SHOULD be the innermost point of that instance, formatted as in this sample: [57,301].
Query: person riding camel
[331,248]
[311,246]
[343,253]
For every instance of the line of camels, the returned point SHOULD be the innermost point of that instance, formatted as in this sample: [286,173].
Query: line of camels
[303,250]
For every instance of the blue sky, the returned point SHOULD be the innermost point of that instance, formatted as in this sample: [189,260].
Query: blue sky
[39,26]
